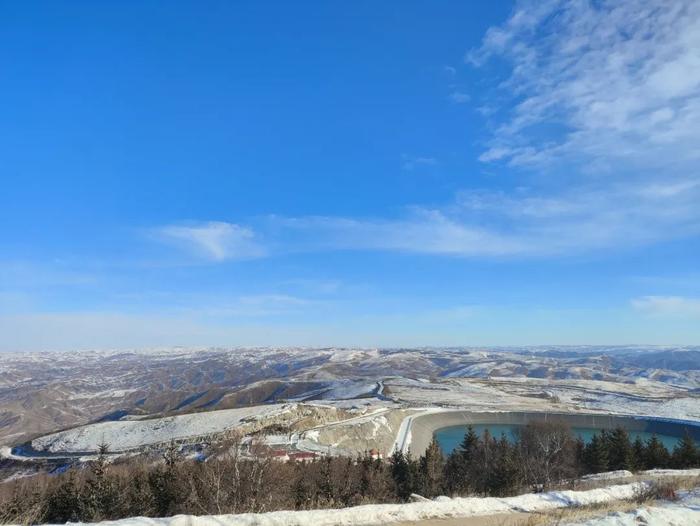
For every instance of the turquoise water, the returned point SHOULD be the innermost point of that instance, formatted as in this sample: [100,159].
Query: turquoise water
[450,437]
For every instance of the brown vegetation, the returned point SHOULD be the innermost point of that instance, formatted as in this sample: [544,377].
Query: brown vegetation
[237,476]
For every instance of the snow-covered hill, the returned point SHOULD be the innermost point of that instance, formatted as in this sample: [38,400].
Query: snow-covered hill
[44,393]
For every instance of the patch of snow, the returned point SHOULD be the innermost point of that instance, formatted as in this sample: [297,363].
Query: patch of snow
[685,512]
[672,472]
[609,475]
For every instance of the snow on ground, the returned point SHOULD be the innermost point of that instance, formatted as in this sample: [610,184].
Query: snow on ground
[375,514]
[608,475]
[346,390]
[685,512]
[132,434]
[672,472]
[649,473]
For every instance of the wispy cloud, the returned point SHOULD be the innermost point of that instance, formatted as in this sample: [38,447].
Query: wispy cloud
[521,223]
[671,306]
[459,97]
[603,97]
[213,240]
[410,162]
[620,79]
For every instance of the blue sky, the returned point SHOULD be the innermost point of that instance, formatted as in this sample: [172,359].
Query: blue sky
[318,173]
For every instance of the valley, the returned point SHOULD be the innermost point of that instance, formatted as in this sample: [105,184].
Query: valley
[342,402]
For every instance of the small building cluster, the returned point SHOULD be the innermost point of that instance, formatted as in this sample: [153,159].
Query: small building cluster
[283,455]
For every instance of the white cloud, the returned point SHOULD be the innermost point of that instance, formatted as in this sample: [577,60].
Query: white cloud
[424,231]
[671,306]
[621,79]
[214,240]
[521,223]
[459,97]
[603,98]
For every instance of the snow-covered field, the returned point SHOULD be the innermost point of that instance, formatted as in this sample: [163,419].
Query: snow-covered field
[132,434]
[687,511]
[684,512]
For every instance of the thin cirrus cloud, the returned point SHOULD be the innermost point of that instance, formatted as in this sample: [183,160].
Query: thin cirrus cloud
[668,306]
[459,97]
[478,224]
[621,79]
[411,162]
[213,240]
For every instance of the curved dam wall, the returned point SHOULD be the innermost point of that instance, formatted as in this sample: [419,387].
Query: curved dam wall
[423,426]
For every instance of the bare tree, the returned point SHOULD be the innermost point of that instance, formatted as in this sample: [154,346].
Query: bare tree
[547,453]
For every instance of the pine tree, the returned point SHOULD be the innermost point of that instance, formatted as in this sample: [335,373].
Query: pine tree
[638,454]
[100,494]
[431,467]
[467,448]
[458,465]
[401,473]
[481,466]
[619,450]
[580,453]
[596,454]
[64,502]
[655,454]
[163,482]
[685,454]
[503,477]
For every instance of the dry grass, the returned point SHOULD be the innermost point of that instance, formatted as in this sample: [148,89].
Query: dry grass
[566,515]
[664,489]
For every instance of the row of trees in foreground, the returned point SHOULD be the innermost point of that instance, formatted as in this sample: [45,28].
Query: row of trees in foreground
[544,455]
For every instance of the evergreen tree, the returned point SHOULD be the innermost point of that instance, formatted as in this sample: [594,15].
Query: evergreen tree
[619,450]
[580,452]
[100,494]
[596,455]
[655,454]
[431,467]
[163,481]
[685,454]
[401,472]
[459,464]
[469,445]
[64,502]
[504,476]
[482,463]
[326,489]
[638,454]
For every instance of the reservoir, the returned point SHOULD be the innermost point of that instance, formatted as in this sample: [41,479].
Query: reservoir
[450,437]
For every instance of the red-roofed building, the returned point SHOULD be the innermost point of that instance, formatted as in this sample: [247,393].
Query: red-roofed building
[302,456]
